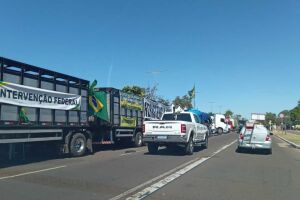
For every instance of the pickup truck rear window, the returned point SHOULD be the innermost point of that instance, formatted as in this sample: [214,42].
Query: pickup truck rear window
[177,117]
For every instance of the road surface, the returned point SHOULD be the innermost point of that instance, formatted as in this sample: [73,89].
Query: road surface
[131,173]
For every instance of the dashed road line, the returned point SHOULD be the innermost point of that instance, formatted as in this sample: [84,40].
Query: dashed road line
[32,172]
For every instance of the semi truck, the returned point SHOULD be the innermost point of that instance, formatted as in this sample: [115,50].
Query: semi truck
[40,106]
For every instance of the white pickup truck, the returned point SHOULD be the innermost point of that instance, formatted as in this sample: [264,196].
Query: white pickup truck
[181,128]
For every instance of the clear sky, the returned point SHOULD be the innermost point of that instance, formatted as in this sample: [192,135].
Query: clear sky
[241,55]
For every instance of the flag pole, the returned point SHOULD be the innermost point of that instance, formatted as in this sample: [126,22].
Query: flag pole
[194,96]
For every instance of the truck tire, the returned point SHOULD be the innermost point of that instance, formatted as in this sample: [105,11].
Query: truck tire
[138,139]
[152,148]
[78,145]
[220,131]
[189,148]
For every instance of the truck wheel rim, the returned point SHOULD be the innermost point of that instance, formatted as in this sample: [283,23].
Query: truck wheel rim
[79,145]
[139,139]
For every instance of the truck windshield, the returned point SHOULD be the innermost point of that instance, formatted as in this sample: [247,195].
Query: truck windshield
[177,117]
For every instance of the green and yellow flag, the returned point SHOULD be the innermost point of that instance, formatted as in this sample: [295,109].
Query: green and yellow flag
[98,103]
[94,103]
[23,116]
[192,93]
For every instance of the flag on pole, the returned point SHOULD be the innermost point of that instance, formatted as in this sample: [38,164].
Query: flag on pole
[192,93]
[94,102]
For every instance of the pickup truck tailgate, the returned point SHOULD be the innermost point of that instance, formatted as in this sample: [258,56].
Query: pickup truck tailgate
[163,128]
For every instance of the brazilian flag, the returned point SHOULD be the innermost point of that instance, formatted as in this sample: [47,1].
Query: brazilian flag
[98,103]
[23,116]
[95,104]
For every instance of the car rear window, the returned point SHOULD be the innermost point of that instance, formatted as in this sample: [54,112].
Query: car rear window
[177,117]
[257,130]
[260,130]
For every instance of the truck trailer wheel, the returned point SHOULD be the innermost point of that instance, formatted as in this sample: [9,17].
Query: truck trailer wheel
[189,148]
[152,148]
[220,131]
[78,145]
[138,139]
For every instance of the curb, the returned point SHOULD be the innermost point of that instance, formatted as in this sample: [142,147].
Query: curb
[289,142]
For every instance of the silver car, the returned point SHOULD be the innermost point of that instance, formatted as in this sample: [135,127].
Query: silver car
[255,136]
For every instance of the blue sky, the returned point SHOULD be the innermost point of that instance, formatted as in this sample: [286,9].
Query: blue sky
[241,55]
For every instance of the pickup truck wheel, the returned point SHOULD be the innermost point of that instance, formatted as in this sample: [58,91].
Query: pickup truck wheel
[189,149]
[138,140]
[78,145]
[205,145]
[220,131]
[152,148]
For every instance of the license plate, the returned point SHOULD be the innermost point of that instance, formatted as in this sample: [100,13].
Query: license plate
[162,137]
[253,146]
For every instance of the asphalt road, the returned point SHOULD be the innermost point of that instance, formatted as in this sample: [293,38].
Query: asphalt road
[215,173]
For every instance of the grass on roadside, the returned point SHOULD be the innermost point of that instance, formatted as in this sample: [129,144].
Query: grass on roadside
[288,136]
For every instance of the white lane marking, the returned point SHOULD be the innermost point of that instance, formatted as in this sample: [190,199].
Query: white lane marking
[149,190]
[187,166]
[152,180]
[33,172]
[223,148]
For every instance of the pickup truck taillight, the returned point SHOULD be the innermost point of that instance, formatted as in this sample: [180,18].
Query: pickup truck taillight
[268,138]
[183,128]
[143,128]
[241,136]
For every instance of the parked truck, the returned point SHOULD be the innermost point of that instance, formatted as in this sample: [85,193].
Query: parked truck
[219,124]
[175,128]
[40,106]
[116,116]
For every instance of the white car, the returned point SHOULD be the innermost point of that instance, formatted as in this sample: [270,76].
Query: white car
[254,136]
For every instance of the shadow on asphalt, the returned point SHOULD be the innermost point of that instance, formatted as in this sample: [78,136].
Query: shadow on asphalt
[252,151]
[173,151]
[36,154]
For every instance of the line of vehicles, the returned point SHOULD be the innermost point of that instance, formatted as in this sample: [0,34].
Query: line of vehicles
[40,106]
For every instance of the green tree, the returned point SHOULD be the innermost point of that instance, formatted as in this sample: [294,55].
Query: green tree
[163,100]
[228,113]
[184,102]
[139,91]
[286,119]
[270,117]
[149,93]
[295,114]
